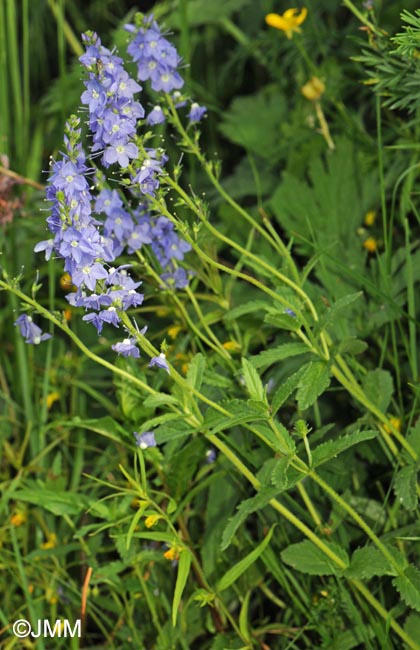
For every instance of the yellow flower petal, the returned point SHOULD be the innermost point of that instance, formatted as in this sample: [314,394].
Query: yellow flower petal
[370,244]
[289,22]
[151,520]
[51,542]
[370,217]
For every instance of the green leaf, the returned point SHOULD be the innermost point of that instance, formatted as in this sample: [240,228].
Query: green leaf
[59,503]
[331,314]
[196,371]
[405,486]
[138,515]
[154,401]
[286,389]
[241,412]
[238,569]
[172,430]
[379,387]
[367,562]
[314,381]
[247,308]
[241,123]
[253,382]
[105,426]
[283,321]
[308,558]
[267,357]
[332,448]
[184,564]
[243,617]
[245,508]
[408,586]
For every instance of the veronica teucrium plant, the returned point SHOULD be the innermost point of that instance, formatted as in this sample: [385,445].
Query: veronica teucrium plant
[126,228]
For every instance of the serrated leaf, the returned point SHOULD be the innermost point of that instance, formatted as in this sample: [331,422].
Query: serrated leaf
[195,372]
[286,389]
[283,321]
[352,345]
[308,558]
[173,429]
[333,448]
[238,569]
[331,314]
[279,472]
[379,387]
[253,381]
[184,564]
[57,502]
[408,586]
[241,412]
[314,381]
[405,486]
[368,562]
[267,357]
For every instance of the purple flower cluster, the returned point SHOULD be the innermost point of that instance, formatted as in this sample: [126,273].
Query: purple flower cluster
[156,58]
[109,95]
[158,61]
[102,289]
[132,231]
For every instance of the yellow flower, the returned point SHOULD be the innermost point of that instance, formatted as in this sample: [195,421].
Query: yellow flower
[51,398]
[174,330]
[395,422]
[173,553]
[151,520]
[231,346]
[370,217]
[313,89]
[370,244]
[51,541]
[289,22]
[18,519]
[67,313]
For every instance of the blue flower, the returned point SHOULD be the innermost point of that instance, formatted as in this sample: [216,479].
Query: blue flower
[160,362]
[156,116]
[196,112]
[127,348]
[156,58]
[145,440]
[31,332]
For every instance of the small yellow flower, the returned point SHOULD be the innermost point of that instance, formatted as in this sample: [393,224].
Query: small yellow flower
[313,89]
[67,313]
[173,553]
[162,312]
[231,346]
[66,283]
[289,22]
[51,541]
[52,398]
[370,244]
[151,520]
[18,519]
[174,330]
[395,422]
[51,596]
[370,218]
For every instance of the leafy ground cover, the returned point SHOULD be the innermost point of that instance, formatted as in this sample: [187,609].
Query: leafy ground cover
[209,348]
